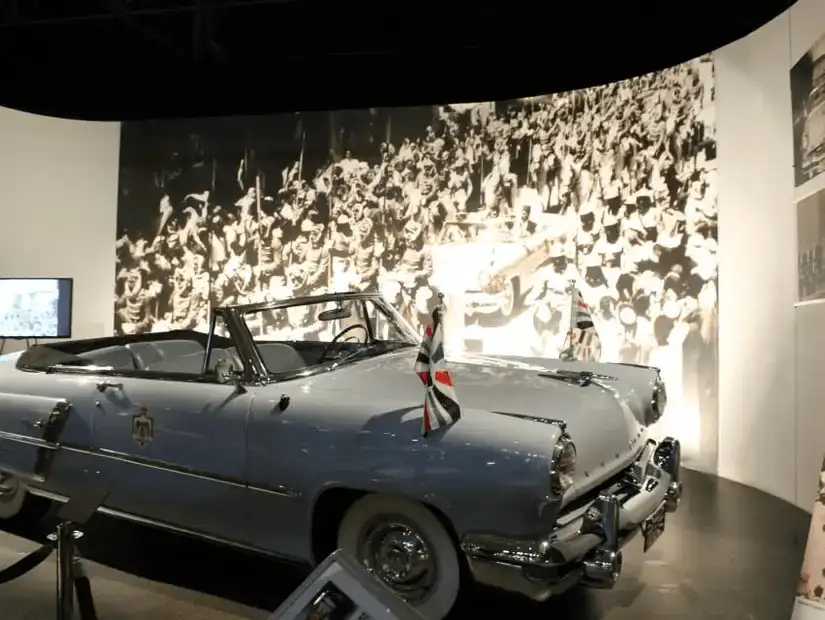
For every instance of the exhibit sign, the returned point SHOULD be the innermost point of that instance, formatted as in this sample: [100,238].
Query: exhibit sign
[341,589]
[496,205]
[810,593]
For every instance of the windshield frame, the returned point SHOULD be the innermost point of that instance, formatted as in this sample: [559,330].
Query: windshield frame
[503,225]
[245,341]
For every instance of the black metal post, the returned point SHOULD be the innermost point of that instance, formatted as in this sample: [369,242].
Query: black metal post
[71,577]
[67,534]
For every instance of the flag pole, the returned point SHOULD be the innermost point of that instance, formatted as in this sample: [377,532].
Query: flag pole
[259,285]
[301,157]
[567,352]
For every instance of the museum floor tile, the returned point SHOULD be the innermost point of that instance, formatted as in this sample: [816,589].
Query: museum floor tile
[730,553]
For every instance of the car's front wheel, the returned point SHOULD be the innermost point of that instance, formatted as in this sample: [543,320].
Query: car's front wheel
[407,547]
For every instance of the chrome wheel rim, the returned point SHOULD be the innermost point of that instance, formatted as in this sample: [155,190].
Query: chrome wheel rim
[400,556]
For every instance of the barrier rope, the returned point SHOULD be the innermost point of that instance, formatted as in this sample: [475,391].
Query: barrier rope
[83,591]
[26,564]
[82,585]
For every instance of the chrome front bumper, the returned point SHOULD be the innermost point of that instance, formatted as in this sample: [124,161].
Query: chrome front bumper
[587,549]
[478,302]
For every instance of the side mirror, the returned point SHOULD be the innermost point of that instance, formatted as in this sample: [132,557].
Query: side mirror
[335,314]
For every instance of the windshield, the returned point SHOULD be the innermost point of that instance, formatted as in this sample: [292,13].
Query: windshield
[481,232]
[305,335]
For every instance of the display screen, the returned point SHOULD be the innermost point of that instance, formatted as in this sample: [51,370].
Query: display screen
[36,307]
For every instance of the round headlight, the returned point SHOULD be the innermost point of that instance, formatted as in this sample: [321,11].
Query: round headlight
[563,465]
[659,397]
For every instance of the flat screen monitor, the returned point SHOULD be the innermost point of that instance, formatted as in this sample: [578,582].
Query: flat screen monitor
[33,308]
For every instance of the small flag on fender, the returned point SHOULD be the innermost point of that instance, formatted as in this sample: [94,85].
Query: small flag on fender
[582,342]
[441,406]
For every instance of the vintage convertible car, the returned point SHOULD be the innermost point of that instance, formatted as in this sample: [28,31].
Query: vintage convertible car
[294,428]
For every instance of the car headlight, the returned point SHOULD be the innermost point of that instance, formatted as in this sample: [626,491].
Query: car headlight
[659,399]
[484,279]
[563,465]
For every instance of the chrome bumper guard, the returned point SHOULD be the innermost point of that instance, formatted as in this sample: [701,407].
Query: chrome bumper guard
[588,549]
[483,303]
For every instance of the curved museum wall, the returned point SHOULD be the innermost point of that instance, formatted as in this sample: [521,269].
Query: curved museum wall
[58,187]
[624,176]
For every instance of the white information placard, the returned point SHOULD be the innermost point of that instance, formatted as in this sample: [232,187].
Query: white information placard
[341,589]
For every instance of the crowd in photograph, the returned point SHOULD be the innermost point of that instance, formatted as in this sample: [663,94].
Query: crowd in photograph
[811,273]
[612,187]
[27,314]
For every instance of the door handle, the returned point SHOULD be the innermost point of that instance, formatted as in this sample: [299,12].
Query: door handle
[104,385]
[283,403]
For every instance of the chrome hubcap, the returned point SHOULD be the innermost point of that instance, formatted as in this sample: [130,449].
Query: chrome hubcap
[400,557]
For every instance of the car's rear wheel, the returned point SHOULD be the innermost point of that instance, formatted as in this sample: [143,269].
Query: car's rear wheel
[17,504]
[12,497]
[406,546]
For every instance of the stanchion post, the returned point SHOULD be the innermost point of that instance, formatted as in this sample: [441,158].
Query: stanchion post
[66,536]
[76,511]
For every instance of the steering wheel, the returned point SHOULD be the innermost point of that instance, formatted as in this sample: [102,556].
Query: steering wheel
[338,337]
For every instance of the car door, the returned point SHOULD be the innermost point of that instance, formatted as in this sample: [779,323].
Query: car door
[283,466]
[174,450]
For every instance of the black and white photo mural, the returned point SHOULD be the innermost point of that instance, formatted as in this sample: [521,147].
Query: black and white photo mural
[497,205]
[808,109]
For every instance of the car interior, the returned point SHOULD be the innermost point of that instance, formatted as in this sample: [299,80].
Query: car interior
[183,351]
[186,356]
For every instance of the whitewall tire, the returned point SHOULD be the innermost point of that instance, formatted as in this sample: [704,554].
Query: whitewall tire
[407,547]
[12,497]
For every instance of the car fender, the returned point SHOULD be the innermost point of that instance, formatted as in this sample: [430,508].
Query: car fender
[487,472]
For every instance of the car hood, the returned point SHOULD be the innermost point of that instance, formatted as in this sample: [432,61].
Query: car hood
[600,421]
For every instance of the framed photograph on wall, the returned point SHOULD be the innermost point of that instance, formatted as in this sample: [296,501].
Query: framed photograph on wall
[810,226]
[808,109]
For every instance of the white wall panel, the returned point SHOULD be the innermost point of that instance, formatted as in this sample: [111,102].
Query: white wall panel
[757,258]
[58,204]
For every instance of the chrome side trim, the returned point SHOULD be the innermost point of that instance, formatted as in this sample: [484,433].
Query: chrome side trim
[180,470]
[79,370]
[29,441]
[560,423]
[138,520]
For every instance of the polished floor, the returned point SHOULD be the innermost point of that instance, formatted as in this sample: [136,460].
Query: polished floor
[730,553]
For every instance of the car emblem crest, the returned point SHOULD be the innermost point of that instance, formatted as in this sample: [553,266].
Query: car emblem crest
[143,427]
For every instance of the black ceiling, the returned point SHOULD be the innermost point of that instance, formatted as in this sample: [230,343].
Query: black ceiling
[113,59]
